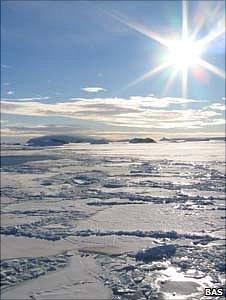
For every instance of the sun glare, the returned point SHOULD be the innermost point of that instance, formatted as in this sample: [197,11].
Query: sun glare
[184,54]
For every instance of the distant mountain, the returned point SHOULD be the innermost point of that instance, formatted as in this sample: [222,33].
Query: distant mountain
[58,140]
[164,139]
[101,141]
[141,140]
[193,139]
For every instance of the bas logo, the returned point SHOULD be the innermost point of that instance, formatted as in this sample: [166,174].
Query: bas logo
[214,292]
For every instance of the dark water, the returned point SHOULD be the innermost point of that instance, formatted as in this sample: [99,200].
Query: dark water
[10,160]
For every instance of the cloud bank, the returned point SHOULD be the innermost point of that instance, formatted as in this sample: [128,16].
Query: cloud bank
[134,112]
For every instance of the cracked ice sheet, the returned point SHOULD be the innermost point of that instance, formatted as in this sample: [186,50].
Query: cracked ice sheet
[32,247]
[12,219]
[15,247]
[110,245]
[79,280]
[188,151]
[152,217]
[142,190]
[18,186]
[55,205]
[98,161]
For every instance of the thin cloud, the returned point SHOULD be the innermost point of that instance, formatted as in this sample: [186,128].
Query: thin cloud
[10,93]
[28,99]
[34,129]
[150,101]
[93,89]
[5,66]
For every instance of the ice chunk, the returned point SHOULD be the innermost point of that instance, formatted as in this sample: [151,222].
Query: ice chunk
[156,253]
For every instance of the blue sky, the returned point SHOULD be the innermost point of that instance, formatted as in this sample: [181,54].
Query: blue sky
[67,66]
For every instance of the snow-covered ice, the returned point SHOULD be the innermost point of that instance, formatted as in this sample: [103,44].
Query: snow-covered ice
[74,218]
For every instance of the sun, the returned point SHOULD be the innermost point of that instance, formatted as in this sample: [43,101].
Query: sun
[184,54]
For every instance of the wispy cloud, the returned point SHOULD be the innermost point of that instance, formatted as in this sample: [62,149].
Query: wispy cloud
[217,106]
[6,83]
[28,99]
[5,66]
[150,101]
[93,89]
[35,130]
[135,112]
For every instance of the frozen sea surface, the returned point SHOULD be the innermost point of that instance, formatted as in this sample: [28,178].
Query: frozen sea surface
[114,221]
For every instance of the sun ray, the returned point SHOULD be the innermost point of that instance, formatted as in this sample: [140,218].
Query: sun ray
[212,36]
[201,22]
[139,28]
[169,82]
[150,73]
[184,38]
[184,20]
[184,82]
[198,27]
[211,68]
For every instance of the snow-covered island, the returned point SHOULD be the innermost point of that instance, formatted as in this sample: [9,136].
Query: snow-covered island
[141,140]
[59,140]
